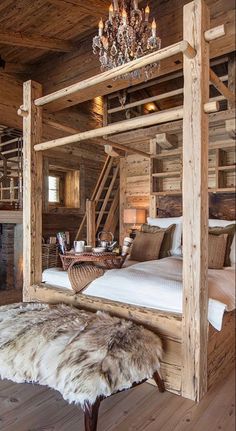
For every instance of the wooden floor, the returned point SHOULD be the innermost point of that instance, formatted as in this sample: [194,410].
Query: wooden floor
[33,408]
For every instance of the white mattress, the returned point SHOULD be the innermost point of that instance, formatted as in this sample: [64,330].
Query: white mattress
[156,284]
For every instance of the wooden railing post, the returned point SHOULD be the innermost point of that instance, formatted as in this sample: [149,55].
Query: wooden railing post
[91,222]
[32,190]
[195,203]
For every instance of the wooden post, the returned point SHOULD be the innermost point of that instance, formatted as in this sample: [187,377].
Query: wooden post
[91,222]
[32,197]
[232,80]
[195,203]
[153,198]
[123,197]
[45,184]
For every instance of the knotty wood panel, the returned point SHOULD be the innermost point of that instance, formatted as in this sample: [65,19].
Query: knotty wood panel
[221,349]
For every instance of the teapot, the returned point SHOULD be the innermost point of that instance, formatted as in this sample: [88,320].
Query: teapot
[106,240]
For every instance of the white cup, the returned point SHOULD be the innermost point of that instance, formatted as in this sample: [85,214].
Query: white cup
[79,246]
[128,241]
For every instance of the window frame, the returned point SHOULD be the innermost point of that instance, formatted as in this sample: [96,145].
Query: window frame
[61,176]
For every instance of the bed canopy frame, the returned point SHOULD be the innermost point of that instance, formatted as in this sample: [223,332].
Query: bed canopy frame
[190,345]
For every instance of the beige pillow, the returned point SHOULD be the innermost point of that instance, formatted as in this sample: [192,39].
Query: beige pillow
[166,245]
[216,250]
[146,246]
[230,231]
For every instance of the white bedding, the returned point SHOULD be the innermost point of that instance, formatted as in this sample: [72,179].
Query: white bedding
[158,284]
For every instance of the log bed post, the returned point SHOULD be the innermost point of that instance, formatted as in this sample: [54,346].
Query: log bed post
[91,222]
[32,196]
[195,203]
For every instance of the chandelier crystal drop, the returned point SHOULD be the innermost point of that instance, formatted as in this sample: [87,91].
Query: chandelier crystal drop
[126,35]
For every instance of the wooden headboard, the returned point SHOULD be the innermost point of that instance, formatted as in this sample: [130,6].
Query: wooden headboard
[221,206]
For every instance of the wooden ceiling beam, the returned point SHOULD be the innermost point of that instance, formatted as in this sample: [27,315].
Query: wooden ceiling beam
[17,68]
[80,6]
[35,41]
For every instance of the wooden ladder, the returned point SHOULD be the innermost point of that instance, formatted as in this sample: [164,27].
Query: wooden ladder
[102,210]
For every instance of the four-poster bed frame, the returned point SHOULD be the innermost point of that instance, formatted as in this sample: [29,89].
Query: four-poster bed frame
[193,353]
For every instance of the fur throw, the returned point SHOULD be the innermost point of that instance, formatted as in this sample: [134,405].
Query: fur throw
[81,354]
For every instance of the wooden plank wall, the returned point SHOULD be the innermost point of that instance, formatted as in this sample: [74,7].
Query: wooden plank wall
[68,219]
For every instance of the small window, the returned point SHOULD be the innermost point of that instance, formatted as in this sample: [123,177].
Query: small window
[54,189]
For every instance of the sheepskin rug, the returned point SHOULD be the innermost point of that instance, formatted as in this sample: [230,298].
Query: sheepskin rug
[81,354]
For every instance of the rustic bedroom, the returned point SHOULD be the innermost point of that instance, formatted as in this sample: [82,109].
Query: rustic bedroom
[117,215]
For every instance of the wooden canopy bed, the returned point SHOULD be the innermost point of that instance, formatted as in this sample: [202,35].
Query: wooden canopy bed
[195,354]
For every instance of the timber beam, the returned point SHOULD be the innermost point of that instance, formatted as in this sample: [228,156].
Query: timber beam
[35,41]
[218,84]
[134,123]
[177,48]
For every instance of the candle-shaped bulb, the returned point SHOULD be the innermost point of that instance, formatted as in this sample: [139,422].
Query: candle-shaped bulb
[154,28]
[147,12]
[111,11]
[124,16]
[116,5]
[100,27]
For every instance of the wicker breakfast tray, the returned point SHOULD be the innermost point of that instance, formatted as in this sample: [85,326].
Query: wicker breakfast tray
[106,260]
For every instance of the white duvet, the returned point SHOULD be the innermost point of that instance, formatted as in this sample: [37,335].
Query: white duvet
[156,284]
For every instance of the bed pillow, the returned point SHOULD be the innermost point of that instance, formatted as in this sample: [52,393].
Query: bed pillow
[230,231]
[167,240]
[146,246]
[223,223]
[217,246]
[176,248]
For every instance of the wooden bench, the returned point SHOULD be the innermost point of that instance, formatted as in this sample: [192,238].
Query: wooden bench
[86,356]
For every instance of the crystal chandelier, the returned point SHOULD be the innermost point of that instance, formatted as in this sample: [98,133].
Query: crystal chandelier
[125,36]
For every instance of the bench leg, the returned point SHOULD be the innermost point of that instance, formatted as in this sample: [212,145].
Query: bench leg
[159,381]
[91,415]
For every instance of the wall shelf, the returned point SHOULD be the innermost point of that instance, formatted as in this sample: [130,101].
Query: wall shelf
[166,169]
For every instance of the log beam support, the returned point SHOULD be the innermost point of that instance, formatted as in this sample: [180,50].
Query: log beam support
[215,33]
[218,84]
[177,48]
[32,196]
[195,203]
[122,126]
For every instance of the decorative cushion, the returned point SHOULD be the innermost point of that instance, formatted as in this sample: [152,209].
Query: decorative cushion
[167,240]
[217,245]
[230,231]
[81,275]
[223,223]
[176,248]
[147,246]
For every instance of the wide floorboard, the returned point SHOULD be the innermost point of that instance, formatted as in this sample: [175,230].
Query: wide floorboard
[25,407]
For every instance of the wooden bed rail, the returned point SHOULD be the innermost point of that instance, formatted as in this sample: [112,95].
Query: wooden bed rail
[134,123]
[162,54]
[154,57]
